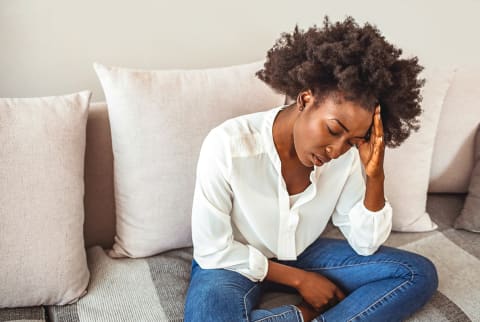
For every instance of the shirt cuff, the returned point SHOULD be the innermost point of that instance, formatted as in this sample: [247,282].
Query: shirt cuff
[369,229]
[258,263]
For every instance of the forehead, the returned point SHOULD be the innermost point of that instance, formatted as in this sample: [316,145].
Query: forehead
[354,117]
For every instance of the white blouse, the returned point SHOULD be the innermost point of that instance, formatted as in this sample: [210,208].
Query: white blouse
[242,213]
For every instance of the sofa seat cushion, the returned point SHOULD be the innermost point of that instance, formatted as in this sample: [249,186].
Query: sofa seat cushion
[154,288]
[125,289]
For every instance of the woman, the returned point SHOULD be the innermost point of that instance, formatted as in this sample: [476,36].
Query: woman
[268,182]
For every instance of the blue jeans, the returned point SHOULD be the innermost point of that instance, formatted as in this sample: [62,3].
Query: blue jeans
[389,285]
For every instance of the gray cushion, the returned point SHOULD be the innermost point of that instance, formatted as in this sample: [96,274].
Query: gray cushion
[469,218]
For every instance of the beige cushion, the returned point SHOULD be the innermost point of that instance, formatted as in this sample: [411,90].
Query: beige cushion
[43,259]
[407,168]
[453,159]
[158,121]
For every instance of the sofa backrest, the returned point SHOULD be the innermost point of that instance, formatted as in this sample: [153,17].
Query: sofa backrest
[452,160]
[99,227]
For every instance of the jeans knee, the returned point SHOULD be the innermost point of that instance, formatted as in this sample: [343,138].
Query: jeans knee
[425,275]
[210,303]
[220,299]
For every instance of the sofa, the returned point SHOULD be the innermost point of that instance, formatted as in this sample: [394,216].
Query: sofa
[152,287]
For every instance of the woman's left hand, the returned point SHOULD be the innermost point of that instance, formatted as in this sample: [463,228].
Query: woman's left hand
[372,152]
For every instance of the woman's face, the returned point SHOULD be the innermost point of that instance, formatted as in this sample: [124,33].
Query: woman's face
[327,129]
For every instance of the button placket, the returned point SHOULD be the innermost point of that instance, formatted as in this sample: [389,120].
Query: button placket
[286,238]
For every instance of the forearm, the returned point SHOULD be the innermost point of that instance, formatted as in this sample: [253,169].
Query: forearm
[283,274]
[375,194]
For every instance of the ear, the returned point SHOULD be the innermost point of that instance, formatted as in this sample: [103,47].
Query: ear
[304,99]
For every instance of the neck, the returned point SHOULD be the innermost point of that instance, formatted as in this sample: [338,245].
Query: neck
[283,132]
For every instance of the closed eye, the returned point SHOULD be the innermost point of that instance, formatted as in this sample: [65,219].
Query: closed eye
[337,134]
[331,132]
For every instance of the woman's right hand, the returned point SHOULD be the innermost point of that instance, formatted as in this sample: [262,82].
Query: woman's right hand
[319,291]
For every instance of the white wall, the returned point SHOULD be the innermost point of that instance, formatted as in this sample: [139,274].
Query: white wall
[48,46]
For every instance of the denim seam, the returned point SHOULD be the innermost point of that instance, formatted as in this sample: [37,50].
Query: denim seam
[379,300]
[245,302]
[412,275]
[276,315]
[316,319]
[299,313]
[350,265]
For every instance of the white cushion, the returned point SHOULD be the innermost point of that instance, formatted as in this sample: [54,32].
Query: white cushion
[158,120]
[407,168]
[43,259]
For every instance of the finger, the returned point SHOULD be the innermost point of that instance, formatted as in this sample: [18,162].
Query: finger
[339,294]
[381,150]
[378,122]
[377,147]
[374,123]
[378,152]
[333,301]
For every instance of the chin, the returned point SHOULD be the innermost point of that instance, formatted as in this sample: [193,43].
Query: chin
[308,163]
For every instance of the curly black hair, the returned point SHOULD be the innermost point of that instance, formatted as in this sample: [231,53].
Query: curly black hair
[356,61]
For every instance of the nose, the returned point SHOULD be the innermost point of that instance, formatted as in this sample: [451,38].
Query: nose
[337,149]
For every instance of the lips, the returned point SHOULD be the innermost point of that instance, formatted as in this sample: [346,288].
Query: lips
[319,159]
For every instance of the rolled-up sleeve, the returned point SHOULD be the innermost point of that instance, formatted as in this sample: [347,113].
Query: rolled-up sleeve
[213,243]
[365,230]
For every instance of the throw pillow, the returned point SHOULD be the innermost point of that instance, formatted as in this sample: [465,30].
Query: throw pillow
[469,218]
[407,168]
[158,120]
[453,152]
[43,259]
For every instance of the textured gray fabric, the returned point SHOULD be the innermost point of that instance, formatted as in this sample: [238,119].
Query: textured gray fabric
[119,288]
[447,308]
[124,289]
[171,274]
[467,240]
[65,313]
[32,314]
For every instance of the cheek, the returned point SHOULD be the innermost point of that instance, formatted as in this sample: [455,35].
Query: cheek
[301,141]
[308,137]
[316,138]
[310,141]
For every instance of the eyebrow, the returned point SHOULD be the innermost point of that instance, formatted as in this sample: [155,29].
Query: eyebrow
[341,124]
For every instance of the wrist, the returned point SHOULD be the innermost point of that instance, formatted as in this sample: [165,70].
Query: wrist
[374,194]
[378,177]
[298,279]
[283,274]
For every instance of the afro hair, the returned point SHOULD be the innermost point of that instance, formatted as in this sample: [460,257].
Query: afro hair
[356,61]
